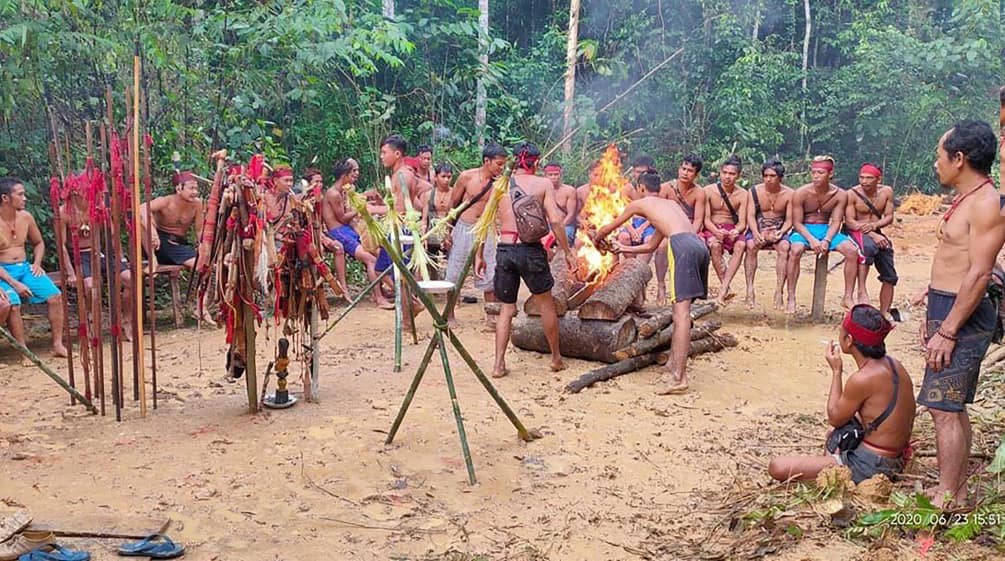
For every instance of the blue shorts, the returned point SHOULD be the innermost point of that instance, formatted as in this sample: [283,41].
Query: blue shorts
[42,288]
[819,231]
[350,240]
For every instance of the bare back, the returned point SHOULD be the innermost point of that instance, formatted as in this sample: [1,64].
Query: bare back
[894,433]
[534,186]
[664,215]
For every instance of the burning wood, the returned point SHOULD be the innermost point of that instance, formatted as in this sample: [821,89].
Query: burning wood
[604,203]
[626,282]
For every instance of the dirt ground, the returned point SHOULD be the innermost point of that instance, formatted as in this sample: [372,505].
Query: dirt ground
[620,472]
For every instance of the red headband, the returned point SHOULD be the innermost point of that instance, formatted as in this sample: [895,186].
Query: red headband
[279,173]
[183,177]
[526,161]
[863,335]
[869,169]
[825,165]
[551,167]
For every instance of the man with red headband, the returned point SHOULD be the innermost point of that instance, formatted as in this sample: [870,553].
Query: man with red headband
[879,397]
[518,257]
[817,213]
[277,194]
[869,210]
[172,217]
[961,319]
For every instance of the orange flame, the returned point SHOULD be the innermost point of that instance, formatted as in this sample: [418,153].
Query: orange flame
[605,203]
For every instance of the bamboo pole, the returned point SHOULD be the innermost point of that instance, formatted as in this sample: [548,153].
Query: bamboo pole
[48,371]
[117,257]
[138,281]
[152,311]
[96,229]
[456,406]
[112,272]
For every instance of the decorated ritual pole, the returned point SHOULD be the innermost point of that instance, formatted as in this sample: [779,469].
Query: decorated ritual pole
[96,218]
[113,263]
[117,185]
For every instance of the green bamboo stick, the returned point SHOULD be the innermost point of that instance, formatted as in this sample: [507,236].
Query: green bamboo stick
[359,298]
[48,371]
[423,365]
[456,406]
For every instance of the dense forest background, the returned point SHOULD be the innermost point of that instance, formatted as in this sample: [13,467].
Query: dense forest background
[310,82]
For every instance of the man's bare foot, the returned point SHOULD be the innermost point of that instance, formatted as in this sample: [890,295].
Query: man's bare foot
[847,302]
[863,298]
[672,386]
[791,308]
[207,319]
[557,365]
[941,498]
[26,362]
[452,323]
[779,300]
[384,305]
[750,301]
[661,297]
[59,350]
[500,373]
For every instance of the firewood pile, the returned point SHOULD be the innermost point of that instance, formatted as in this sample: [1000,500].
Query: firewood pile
[598,322]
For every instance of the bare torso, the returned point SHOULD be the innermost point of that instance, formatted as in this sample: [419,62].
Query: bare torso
[174,215]
[75,218]
[334,211]
[13,237]
[566,199]
[860,211]
[818,205]
[773,204]
[719,211]
[952,254]
[687,197]
[469,184]
[665,215]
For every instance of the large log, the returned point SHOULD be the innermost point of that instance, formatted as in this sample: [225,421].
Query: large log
[663,317]
[626,282]
[710,343]
[586,339]
[662,339]
[564,279]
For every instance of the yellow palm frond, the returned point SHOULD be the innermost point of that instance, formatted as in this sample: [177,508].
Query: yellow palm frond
[373,226]
[487,222]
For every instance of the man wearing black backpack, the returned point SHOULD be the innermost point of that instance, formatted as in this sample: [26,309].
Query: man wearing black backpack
[525,214]
[872,412]
[869,210]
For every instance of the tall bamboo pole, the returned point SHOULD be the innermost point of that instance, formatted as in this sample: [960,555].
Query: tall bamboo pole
[138,281]
[147,144]
[112,261]
[48,371]
[571,49]
[117,257]
[96,229]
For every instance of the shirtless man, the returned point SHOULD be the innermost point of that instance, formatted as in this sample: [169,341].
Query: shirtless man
[691,199]
[424,154]
[642,164]
[471,185]
[961,318]
[642,230]
[818,210]
[435,207]
[278,194]
[75,212]
[769,219]
[582,195]
[172,217]
[20,280]
[688,264]
[869,210]
[726,223]
[405,193]
[879,394]
[566,199]
[517,259]
[339,219]
[316,190]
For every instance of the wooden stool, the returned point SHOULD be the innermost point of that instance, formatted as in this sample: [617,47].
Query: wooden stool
[173,273]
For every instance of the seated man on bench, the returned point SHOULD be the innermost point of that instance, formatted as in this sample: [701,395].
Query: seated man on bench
[879,395]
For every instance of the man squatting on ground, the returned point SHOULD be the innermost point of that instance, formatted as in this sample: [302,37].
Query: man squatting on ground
[19,279]
[817,214]
[870,209]
[470,186]
[879,394]
[687,263]
[339,225]
[769,219]
[691,199]
[518,257]
[725,223]
[961,319]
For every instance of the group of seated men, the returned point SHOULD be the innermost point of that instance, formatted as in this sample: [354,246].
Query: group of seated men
[818,216]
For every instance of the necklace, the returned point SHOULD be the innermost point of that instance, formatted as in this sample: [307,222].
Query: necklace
[771,200]
[12,226]
[956,203]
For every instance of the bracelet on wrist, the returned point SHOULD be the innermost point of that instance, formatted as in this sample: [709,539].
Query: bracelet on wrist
[945,335]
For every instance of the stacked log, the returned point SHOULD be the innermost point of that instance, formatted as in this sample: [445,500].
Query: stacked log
[625,283]
[565,281]
[586,339]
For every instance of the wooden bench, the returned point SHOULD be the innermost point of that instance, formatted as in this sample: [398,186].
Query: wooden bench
[173,274]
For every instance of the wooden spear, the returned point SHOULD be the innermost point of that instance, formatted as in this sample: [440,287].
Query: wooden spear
[112,260]
[83,337]
[136,233]
[96,218]
[147,144]
[116,244]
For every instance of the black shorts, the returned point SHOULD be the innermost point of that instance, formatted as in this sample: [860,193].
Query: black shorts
[174,250]
[951,388]
[882,258]
[521,261]
[688,259]
[85,265]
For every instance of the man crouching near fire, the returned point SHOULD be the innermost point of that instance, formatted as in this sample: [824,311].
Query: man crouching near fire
[688,267]
[879,396]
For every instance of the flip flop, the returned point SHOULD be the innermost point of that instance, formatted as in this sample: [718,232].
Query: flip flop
[14,523]
[154,546]
[58,553]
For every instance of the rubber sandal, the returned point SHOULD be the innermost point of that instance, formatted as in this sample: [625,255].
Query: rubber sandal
[154,546]
[58,553]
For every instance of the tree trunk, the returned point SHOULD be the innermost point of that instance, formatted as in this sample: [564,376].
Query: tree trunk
[611,371]
[586,339]
[806,59]
[563,288]
[643,346]
[483,69]
[663,317]
[625,283]
[709,344]
[389,9]
[571,48]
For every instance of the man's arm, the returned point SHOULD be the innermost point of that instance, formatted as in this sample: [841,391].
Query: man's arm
[699,211]
[837,217]
[851,214]
[573,210]
[199,219]
[555,218]
[741,213]
[148,209]
[843,403]
[648,247]
[457,191]
[424,203]
[887,210]
[37,246]
[605,231]
[751,216]
[707,222]
[65,224]
[797,216]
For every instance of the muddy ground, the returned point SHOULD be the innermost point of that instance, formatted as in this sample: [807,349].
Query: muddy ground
[620,473]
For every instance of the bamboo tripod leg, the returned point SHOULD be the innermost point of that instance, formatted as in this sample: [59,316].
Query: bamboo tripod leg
[38,362]
[411,390]
[357,300]
[456,405]
[397,319]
